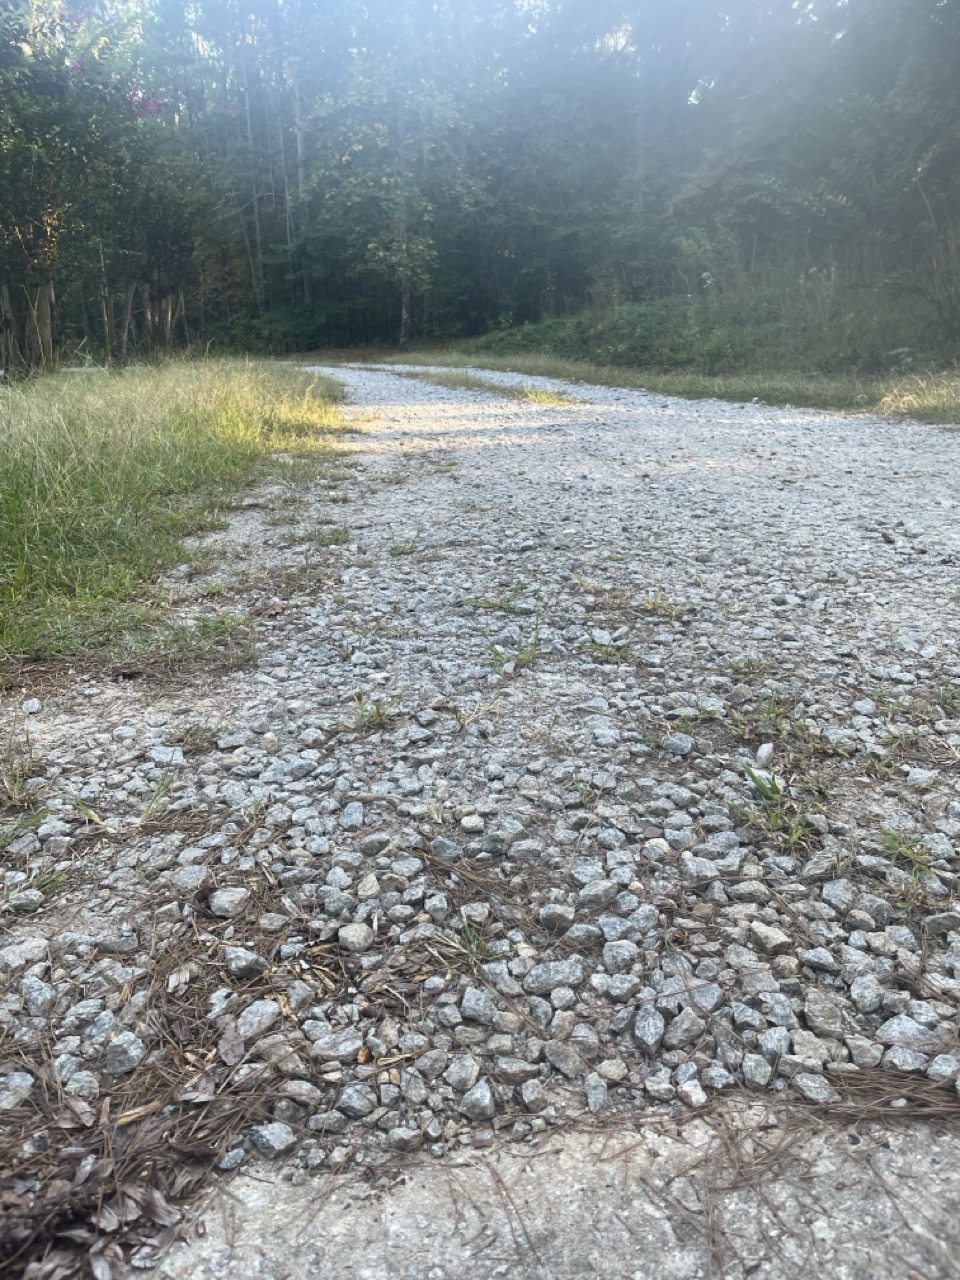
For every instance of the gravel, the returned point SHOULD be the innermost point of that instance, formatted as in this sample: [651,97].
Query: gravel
[609,763]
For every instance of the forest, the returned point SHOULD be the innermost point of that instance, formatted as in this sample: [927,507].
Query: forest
[712,184]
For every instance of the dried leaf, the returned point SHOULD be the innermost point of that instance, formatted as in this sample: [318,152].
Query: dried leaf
[231,1047]
[75,1113]
[179,980]
[156,1208]
[139,1113]
[105,1218]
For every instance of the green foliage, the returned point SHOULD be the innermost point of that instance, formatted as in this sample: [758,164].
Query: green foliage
[101,476]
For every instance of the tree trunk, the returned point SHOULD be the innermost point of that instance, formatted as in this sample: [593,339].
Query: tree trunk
[11,344]
[127,318]
[40,344]
[403,232]
[166,311]
[302,215]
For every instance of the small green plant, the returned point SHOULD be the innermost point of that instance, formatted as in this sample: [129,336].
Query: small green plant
[508,662]
[505,602]
[331,536]
[406,548]
[750,667]
[659,605]
[778,816]
[901,848]
[611,652]
[19,827]
[19,766]
[473,948]
[948,697]
[372,713]
[47,883]
[587,796]
[195,739]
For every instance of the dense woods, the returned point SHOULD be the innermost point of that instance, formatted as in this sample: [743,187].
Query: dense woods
[705,181]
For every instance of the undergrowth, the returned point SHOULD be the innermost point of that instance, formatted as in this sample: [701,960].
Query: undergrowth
[103,475]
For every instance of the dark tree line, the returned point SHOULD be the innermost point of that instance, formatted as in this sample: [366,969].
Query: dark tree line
[285,174]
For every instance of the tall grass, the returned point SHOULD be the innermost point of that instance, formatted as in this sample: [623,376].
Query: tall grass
[102,475]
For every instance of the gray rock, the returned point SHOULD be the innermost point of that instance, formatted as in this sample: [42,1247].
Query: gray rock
[903,1030]
[355,938]
[405,1139]
[14,1089]
[691,1093]
[565,1059]
[351,819]
[900,1058]
[337,1046]
[479,1006]
[648,1029]
[771,941]
[272,1140]
[36,995]
[823,1015]
[866,993]
[462,1073]
[357,1100]
[597,894]
[515,1071]
[618,956]
[819,958]
[257,1018]
[242,963]
[26,901]
[533,1095]
[595,1092]
[478,1102]
[685,1029]
[543,978]
[124,1053]
[757,1071]
[678,744]
[814,1088]
[227,903]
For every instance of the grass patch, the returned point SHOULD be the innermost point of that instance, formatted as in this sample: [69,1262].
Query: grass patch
[927,397]
[470,382]
[103,475]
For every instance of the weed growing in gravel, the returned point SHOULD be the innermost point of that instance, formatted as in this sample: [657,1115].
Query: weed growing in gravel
[660,605]
[373,713]
[406,548]
[611,652]
[900,848]
[19,766]
[102,476]
[332,536]
[749,667]
[505,602]
[778,817]
[948,697]
[19,827]
[508,662]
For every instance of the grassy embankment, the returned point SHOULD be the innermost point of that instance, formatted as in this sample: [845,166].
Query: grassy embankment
[929,397]
[103,475]
[802,343]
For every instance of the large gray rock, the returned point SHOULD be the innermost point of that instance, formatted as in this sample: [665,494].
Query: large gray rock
[124,1053]
[546,977]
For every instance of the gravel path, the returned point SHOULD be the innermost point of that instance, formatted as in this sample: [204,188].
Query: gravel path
[601,758]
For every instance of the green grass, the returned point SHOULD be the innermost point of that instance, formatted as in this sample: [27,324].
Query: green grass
[928,397]
[103,475]
[470,382]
